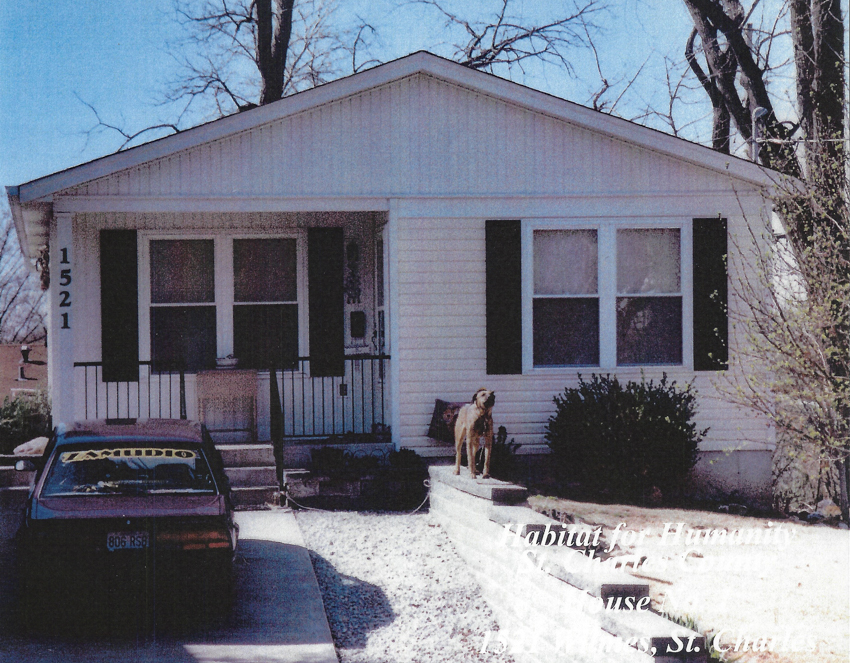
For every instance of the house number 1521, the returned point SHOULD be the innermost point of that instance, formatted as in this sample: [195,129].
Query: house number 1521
[64,281]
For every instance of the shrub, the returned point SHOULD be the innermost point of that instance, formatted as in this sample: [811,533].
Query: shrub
[407,462]
[625,442]
[22,418]
[329,461]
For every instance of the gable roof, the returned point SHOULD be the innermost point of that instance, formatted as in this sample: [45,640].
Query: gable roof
[30,202]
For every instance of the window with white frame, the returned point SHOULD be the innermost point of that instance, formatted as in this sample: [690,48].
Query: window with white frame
[649,296]
[566,298]
[182,304]
[604,294]
[265,302]
[224,295]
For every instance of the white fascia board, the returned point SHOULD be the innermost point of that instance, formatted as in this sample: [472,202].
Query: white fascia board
[23,216]
[12,193]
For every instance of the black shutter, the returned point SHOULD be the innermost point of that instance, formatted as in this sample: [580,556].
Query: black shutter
[119,306]
[504,297]
[711,327]
[327,311]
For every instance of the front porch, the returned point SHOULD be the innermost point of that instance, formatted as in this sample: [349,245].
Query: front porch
[290,403]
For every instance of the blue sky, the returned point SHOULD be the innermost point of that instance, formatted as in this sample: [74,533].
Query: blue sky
[114,55]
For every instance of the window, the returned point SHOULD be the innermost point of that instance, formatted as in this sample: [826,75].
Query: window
[211,297]
[182,311]
[605,294]
[265,309]
[566,301]
[649,296]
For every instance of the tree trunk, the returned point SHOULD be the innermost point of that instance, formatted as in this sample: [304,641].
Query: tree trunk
[721,125]
[709,19]
[274,28]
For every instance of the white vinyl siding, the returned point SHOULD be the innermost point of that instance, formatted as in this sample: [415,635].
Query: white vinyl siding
[415,136]
[440,347]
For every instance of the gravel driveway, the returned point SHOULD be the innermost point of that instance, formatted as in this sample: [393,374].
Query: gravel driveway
[395,589]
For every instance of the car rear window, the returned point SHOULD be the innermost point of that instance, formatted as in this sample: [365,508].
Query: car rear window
[128,468]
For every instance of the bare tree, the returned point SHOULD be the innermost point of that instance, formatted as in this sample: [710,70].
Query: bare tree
[799,337]
[505,39]
[791,311]
[671,115]
[730,46]
[238,54]
[21,299]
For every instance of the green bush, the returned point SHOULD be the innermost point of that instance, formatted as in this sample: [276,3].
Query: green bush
[22,418]
[625,442]
[407,462]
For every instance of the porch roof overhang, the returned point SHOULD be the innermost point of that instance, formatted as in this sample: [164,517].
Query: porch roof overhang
[31,202]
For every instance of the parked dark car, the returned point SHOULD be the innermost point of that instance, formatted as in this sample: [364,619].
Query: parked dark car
[127,516]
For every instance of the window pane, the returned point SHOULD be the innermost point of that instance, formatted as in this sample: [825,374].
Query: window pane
[182,271]
[183,337]
[264,270]
[566,332]
[565,262]
[266,336]
[649,330]
[648,261]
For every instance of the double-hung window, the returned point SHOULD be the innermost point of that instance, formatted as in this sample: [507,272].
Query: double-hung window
[649,296]
[182,304]
[565,316]
[224,295]
[605,294]
[265,302]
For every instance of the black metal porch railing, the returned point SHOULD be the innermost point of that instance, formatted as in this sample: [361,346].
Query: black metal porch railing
[298,404]
[321,406]
[156,395]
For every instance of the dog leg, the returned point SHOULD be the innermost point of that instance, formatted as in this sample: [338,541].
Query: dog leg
[471,450]
[488,447]
[459,433]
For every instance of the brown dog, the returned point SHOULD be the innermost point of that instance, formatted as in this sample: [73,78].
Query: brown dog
[475,420]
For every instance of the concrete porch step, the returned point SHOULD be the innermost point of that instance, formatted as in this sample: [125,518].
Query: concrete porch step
[297,453]
[246,497]
[251,476]
[247,455]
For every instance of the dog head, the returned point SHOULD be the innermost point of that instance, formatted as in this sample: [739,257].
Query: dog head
[484,399]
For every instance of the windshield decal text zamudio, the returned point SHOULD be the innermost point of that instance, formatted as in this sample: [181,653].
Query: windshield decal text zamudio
[126,452]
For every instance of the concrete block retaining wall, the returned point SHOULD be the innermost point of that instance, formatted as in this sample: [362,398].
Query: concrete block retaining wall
[550,601]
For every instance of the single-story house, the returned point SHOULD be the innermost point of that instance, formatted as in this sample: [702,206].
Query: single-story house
[409,233]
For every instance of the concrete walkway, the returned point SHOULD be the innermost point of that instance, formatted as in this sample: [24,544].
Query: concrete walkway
[277,617]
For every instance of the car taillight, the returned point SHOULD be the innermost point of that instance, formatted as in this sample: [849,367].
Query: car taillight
[194,539]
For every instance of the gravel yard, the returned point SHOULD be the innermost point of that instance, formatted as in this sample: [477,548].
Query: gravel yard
[395,589]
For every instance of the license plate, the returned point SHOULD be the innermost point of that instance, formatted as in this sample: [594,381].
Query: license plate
[127,540]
